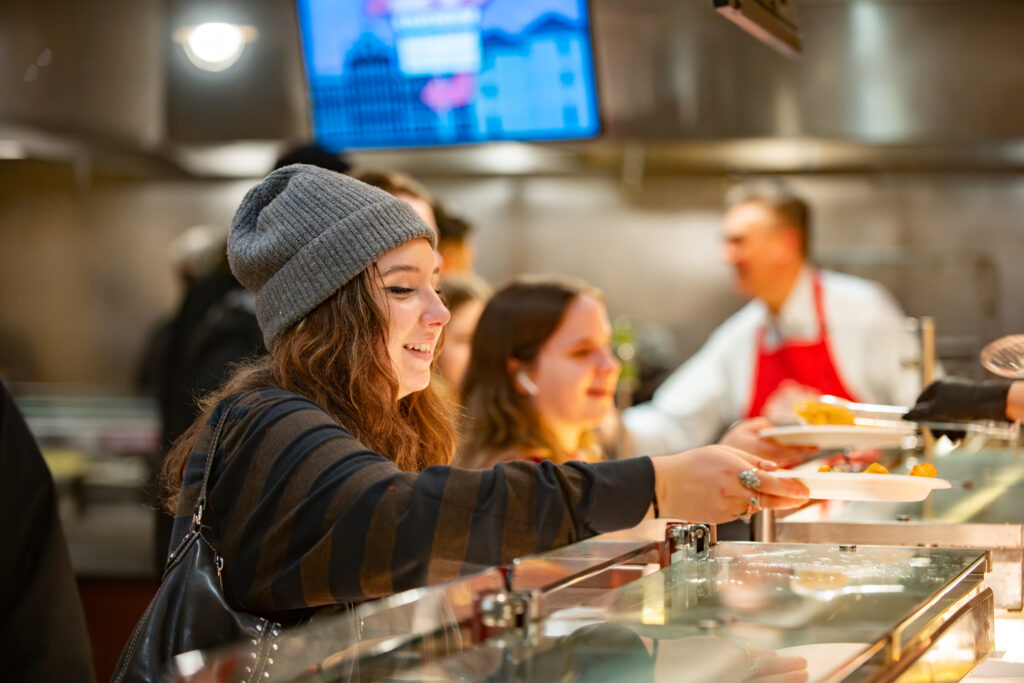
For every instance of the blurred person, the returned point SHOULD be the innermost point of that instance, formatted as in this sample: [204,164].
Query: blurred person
[541,374]
[330,484]
[806,332]
[454,245]
[192,254]
[43,635]
[314,155]
[214,328]
[465,296]
[542,377]
[403,186]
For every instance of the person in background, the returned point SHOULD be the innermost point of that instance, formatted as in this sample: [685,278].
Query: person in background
[961,400]
[314,155]
[214,328]
[454,246]
[43,635]
[398,184]
[331,482]
[542,377]
[806,332]
[465,296]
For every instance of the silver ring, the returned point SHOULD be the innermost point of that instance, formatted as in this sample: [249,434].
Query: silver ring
[750,479]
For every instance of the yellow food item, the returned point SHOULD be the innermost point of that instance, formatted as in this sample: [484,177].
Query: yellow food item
[925,469]
[814,413]
[818,579]
[875,468]
[824,468]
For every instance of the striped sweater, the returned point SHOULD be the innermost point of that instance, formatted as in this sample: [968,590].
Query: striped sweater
[306,516]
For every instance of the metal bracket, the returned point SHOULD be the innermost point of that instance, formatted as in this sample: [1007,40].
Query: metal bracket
[687,541]
[501,610]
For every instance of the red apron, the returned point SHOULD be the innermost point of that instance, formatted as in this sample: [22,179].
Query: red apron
[804,363]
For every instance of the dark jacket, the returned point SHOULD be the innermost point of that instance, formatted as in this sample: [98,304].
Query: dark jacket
[42,627]
[306,516]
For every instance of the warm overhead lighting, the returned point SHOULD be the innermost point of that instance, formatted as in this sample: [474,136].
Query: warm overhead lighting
[214,46]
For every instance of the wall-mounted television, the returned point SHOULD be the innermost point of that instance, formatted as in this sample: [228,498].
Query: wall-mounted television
[407,73]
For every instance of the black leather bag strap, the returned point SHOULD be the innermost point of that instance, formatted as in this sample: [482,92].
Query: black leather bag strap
[211,453]
[200,506]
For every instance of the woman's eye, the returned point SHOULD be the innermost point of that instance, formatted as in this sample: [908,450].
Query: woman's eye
[400,291]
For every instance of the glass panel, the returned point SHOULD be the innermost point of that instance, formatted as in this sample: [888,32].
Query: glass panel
[748,605]
[745,606]
[364,643]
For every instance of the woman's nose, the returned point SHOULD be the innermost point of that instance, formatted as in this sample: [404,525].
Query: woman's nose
[609,363]
[437,313]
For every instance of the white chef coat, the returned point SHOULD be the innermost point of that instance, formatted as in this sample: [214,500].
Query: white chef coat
[873,350]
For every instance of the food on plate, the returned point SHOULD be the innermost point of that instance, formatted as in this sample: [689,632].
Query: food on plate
[815,413]
[875,468]
[824,468]
[925,469]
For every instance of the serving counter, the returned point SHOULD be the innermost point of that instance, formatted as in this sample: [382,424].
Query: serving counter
[984,508]
[659,603]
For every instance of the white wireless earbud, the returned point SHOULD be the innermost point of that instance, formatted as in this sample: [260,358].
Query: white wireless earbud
[526,383]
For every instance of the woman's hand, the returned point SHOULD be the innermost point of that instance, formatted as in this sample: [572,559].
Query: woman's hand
[745,436]
[703,485]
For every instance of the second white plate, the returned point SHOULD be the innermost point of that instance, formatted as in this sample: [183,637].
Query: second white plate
[846,486]
[838,436]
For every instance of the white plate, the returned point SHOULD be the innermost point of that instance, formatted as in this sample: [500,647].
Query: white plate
[847,486]
[838,436]
[823,659]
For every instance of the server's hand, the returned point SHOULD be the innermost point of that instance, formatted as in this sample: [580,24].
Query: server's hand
[746,436]
[960,400]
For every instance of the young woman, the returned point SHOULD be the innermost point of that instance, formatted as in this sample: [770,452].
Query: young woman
[541,374]
[330,483]
[542,377]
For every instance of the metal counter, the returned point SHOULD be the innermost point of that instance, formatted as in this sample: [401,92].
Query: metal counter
[621,608]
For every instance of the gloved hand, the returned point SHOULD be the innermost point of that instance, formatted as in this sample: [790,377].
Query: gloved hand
[960,400]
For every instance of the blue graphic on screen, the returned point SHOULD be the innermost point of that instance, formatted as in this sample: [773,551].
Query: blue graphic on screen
[398,73]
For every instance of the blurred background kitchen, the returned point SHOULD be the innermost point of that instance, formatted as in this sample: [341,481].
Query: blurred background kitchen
[901,121]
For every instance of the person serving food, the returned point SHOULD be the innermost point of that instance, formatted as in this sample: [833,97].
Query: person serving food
[806,332]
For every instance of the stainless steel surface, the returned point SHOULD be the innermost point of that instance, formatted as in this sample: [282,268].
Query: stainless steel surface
[880,85]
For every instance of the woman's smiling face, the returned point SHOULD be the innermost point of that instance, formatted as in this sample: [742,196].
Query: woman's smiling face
[576,371]
[407,286]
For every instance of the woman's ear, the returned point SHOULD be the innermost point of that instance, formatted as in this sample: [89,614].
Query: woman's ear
[523,380]
[520,380]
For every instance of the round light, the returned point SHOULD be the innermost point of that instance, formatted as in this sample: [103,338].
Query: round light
[214,46]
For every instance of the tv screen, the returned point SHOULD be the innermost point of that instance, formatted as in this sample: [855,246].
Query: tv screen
[403,73]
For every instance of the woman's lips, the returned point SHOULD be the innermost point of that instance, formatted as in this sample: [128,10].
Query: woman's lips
[421,350]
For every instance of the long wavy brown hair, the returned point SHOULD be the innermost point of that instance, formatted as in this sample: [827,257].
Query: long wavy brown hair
[337,357]
[517,321]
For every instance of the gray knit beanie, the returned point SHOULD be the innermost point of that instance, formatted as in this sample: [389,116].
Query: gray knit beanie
[304,232]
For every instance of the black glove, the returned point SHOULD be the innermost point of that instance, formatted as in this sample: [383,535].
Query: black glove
[960,400]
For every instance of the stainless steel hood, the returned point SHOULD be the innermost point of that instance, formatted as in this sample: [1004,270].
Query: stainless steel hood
[919,84]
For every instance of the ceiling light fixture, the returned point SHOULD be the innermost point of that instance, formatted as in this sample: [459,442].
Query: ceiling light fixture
[214,46]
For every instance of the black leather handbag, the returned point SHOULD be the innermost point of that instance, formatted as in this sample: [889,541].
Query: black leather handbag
[189,611]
